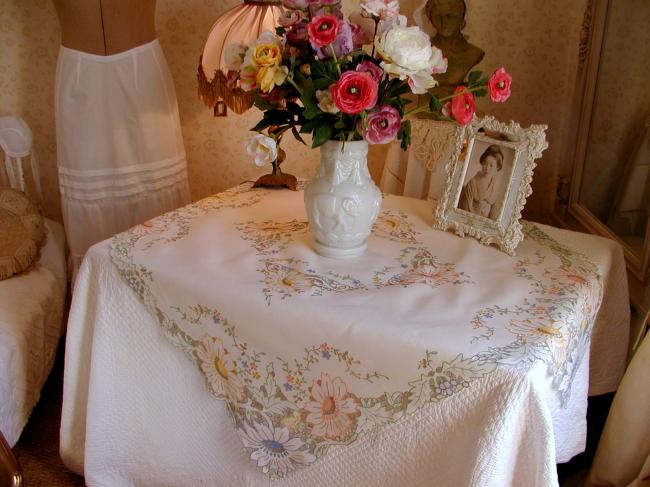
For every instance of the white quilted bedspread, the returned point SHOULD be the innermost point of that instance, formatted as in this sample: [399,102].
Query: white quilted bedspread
[31,311]
[137,412]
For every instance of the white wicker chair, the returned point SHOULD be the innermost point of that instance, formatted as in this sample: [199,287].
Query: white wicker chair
[32,302]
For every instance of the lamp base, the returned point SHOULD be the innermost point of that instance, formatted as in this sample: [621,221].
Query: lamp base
[274,180]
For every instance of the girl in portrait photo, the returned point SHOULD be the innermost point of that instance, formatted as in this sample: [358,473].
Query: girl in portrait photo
[483,190]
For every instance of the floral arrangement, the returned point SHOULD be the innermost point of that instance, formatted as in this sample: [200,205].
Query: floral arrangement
[321,74]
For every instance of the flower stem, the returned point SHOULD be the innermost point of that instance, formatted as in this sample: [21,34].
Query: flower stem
[338,68]
[374,35]
[424,108]
[293,83]
[354,128]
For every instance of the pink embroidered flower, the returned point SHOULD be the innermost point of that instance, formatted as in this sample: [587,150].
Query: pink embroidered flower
[382,126]
[462,106]
[331,410]
[323,30]
[355,92]
[499,85]
[369,67]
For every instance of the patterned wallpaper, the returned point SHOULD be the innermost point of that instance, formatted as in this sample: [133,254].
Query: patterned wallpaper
[536,41]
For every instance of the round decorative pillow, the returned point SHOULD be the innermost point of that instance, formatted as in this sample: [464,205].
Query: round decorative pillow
[22,231]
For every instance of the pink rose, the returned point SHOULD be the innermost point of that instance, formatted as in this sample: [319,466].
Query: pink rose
[296,4]
[298,36]
[323,30]
[499,85]
[384,9]
[291,17]
[382,126]
[355,92]
[446,109]
[462,106]
[369,67]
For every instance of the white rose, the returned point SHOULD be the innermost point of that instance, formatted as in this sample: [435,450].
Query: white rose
[406,52]
[325,101]
[263,148]
[397,21]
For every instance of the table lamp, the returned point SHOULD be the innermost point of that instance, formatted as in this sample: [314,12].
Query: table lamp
[241,24]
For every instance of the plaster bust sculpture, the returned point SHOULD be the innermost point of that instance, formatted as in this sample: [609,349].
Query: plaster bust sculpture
[447,18]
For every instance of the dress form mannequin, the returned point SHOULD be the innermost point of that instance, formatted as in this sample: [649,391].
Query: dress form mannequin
[121,158]
[106,27]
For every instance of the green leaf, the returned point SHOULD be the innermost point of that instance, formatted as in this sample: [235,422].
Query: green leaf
[322,83]
[324,69]
[322,134]
[296,134]
[435,105]
[294,108]
[309,102]
[480,93]
[473,77]
[310,125]
[261,103]
[261,125]
[404,134]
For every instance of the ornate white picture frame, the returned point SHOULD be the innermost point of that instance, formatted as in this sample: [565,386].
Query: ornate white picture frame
[488,181]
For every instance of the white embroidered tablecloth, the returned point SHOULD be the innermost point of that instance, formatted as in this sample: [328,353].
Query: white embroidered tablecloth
[312,353]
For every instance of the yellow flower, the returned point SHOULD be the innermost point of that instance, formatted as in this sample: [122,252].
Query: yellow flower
[270,76]
[267,55]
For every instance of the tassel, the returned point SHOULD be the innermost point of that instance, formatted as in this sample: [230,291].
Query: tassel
[215,91]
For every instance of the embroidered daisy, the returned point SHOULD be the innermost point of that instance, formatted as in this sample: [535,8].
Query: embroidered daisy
[286,280]
[535,330]
[220,369]
[394,227]
[331,410]
[273,449]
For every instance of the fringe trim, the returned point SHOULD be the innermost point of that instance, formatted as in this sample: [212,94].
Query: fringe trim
[215,91]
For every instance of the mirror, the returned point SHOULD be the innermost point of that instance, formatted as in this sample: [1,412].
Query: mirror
[610,192]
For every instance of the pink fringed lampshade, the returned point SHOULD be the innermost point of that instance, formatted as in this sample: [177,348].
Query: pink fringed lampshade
[241,24]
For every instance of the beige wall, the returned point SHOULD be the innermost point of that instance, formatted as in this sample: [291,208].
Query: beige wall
[536,41]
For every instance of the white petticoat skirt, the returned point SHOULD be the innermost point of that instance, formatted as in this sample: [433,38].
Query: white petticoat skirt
[121,157]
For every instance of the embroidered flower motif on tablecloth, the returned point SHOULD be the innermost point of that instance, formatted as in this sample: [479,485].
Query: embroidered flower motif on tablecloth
[175,225]
[289,277]
[219,368]
[420,266]
[290,406]
[273,449]
[240,196]
[394,225]
[332,409]
[270,237]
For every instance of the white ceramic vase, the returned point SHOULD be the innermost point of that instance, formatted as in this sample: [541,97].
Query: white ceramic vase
[342,200]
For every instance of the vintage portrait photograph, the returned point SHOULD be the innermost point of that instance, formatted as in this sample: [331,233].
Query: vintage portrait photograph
[488,172]
[488,181]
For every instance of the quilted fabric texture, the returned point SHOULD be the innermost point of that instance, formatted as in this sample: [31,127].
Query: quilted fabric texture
[23,232]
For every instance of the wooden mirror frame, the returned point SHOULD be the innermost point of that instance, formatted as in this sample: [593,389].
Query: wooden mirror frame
[591,44]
